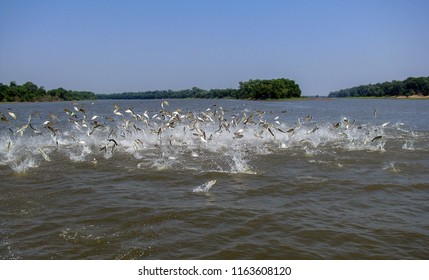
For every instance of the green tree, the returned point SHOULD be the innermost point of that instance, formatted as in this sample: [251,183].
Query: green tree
[31,92]
[268,89]
[411,85]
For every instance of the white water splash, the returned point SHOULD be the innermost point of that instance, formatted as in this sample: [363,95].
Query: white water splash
[75,156]
[204,141]
[408,145]
[205,187]
[391,167]
[23,166]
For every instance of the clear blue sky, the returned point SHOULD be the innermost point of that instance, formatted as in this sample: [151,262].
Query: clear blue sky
[116,46]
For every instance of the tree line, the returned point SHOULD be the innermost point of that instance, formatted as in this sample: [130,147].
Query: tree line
[195,92]
[252,89]
[29,92]
[407,87]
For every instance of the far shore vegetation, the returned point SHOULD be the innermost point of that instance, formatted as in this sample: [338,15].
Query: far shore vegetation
[270,90]
[410,87]
[29,92]
[252,90]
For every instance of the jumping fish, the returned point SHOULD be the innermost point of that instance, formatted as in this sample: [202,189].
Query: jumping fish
[259,134]
[69,112]
[204,187]
[113,140]
[116,110]
[118,113]
[238,134]
[313,130]
[22,129]
[3,117]
[164,103]
[376,138]
[12,114]
[9,145]
[44,155]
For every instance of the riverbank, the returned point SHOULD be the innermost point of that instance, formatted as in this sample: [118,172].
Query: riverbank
[415,96]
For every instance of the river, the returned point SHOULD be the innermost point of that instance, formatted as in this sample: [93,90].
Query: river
[300,179]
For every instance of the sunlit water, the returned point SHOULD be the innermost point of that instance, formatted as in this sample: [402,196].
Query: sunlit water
[310,179]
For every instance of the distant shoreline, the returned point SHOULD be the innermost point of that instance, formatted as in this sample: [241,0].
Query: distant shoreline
[401,97]
[415,96]
[302,98]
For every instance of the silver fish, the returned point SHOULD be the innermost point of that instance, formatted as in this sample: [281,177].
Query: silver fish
[12,114]
[44,155]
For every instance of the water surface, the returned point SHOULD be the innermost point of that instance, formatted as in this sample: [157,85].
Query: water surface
[309,179]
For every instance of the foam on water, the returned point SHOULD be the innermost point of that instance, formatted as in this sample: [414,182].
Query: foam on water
[408,145]
[213,140]
[22,166]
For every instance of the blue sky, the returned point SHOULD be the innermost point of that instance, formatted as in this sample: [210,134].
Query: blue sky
[117,46]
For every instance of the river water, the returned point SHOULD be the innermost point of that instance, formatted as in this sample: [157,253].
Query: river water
[127,179]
